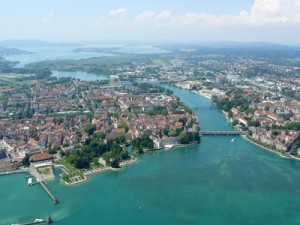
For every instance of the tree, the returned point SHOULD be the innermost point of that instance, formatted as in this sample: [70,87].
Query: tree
[185,137]
[25,161]
[234,122]
[72,159]
[125,155]
[143,142]
[124,125]
[115,163]
[90,129]
[196,136]
[53,150]
[82,163]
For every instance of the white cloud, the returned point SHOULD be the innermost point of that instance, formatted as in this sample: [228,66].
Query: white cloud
[266,7]
[48,18]
[117,12]
[144,19]
[262,13]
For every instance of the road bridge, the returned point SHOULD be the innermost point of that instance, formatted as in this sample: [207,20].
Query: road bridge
[221,132]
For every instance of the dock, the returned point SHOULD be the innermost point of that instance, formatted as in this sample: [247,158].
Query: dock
[54,199]
[41,181]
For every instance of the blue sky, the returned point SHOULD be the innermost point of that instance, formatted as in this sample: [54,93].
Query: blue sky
[175,20]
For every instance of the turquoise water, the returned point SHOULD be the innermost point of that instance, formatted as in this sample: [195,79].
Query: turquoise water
[216,182]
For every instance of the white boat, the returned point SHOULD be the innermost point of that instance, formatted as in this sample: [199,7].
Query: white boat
[30,181]
[169,146]
[232,140]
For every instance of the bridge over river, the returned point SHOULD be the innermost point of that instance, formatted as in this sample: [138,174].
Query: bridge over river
[221,132]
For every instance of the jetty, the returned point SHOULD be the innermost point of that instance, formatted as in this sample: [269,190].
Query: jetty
[54,199]
[42,182]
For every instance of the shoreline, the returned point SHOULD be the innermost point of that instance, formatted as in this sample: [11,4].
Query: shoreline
[99,170]
[196,92]
[201,94]
[268,149]
[131,161]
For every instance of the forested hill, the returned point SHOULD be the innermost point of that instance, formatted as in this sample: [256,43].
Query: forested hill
[11,51]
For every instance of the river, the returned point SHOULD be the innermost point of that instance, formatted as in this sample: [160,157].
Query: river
[215,182]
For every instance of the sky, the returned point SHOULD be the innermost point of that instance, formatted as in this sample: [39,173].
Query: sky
[151,20]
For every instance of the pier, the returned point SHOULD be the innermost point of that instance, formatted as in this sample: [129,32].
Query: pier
[55,201]
[221,132]
[41,181]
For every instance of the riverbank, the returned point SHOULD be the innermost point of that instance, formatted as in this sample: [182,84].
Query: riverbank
[202,94]
[268,149]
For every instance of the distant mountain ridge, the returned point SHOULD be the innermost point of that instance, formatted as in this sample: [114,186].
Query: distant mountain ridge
[11,51]
[33,43]
[213,44]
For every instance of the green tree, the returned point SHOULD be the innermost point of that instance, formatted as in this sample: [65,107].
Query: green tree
[124,125]
[185,137]
[25,161]
[82,163]
[90,129]
[143,142]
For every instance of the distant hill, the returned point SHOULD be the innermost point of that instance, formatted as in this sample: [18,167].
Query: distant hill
[33,43]
[236,49]
[230,45]
[11,51]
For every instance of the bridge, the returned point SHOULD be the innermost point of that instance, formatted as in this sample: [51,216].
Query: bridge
[221,132]
[159,81]
[202,107]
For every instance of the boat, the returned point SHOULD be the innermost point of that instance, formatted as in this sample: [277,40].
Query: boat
[36,221]
[168,146]
[232,140]
[30,181]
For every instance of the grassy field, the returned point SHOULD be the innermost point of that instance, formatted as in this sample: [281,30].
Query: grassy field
[161,62]
[98,64]
[13,77]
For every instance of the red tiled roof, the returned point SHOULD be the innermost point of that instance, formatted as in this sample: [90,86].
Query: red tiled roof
[40,157]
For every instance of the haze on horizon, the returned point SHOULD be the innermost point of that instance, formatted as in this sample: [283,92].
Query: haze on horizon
[141,20]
